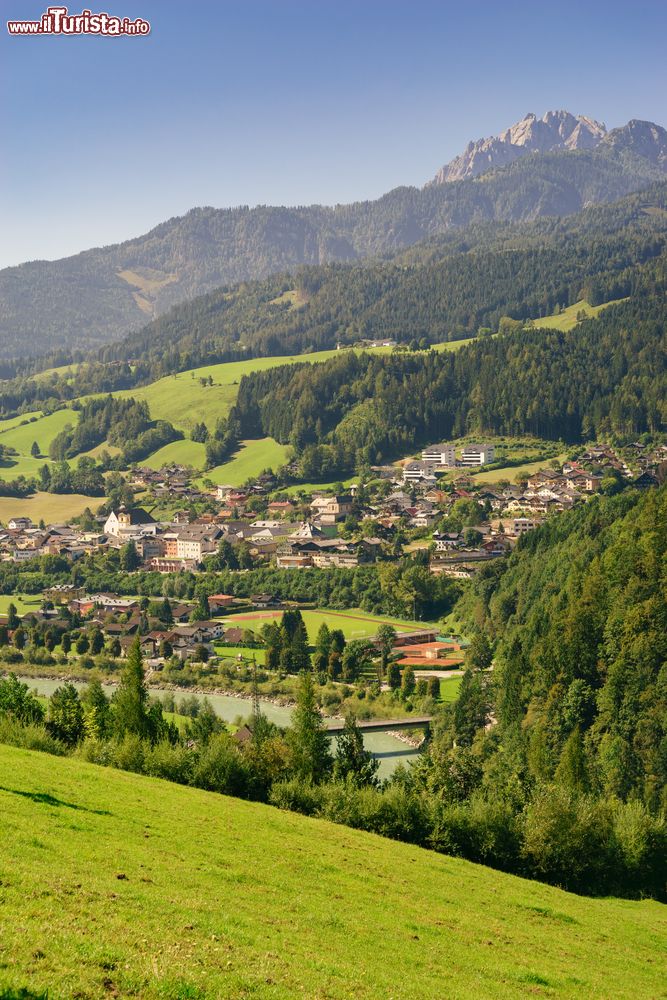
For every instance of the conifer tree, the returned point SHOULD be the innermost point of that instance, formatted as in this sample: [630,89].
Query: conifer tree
[130,704]
[307,736]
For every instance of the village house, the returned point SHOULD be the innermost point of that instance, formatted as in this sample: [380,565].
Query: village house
[330,510]
[219,602]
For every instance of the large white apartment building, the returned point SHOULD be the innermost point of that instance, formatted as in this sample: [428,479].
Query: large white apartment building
[478,454]
[440,454]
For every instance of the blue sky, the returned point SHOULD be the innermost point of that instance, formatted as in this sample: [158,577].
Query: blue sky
[289,102]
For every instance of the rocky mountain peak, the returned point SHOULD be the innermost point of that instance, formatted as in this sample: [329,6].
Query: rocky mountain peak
[641,138]
[554,130]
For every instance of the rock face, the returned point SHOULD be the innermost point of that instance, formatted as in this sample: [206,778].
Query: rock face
[554,130]
[641,138]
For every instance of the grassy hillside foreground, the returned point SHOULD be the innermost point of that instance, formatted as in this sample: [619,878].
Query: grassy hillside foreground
[113,884]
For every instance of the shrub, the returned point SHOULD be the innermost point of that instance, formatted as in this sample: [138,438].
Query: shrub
[172,762]
[30,737]
[297,796]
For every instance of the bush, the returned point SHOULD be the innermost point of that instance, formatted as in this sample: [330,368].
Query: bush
[10,655]
[30,737]
[568,839]
[128,754]
[642,843]
[174,763]
[221,767]
[297,796]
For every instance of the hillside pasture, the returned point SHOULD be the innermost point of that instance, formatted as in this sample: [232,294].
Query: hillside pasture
[20,436]
[567,318]
[115,884]
[252,458]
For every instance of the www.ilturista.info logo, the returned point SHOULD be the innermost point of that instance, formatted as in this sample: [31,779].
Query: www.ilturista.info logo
[58,21]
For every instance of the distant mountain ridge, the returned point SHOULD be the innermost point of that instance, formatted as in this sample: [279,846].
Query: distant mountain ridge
[554,130]
[101,295]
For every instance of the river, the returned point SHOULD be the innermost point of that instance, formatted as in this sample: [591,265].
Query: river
[387,749]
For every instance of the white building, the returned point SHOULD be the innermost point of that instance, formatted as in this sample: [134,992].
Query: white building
[440,454]
[520,525]
[129,521]
[20,524]
[418,472]
[478,454]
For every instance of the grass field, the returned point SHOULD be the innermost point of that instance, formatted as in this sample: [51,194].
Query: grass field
[10,422]
[179,452]
[21,436]
[53,507]
[449,689]
[251,459]
[354,624]
[567,318]
[23,604]
[511,473]
[453,345]
[114,884]
[232,652]
[312,487]
[183,400]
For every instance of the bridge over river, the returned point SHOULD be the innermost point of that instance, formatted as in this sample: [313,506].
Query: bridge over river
[385,725]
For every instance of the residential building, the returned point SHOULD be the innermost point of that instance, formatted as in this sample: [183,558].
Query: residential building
[520,525]
[440,454]
[418,472]
[478,454]
[332,509]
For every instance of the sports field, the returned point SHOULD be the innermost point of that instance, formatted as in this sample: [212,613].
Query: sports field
[354,624]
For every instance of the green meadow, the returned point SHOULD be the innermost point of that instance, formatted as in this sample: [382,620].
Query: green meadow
[182,399]
[20,435]
[118,885]
[567,318]
[251,459]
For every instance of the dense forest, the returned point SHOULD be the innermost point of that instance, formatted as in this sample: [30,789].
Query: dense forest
[578,619]
[100,295]
[606,377]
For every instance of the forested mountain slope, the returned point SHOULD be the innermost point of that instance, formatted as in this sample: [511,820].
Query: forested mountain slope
[607,376]
[578,615]
[101,294]
[439,290]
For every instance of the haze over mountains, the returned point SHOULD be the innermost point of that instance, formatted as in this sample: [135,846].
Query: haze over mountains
[100,295]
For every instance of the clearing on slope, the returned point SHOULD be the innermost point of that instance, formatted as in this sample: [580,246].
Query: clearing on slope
[567,318]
